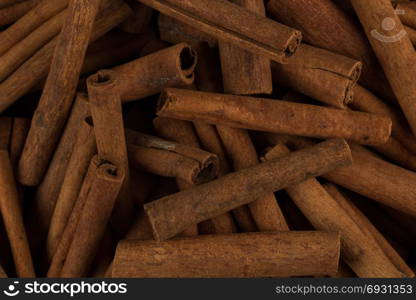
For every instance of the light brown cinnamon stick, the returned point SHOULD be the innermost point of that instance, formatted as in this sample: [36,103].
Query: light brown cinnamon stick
[13,12]
[84,149]
[224,194]
[259,34]
[274,116]
[320,74]
[91,226]
[60,86]
[393,49]
[271,255]
[18,138]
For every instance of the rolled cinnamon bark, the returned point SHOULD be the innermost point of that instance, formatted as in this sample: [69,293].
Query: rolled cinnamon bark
[139,20]
[165,158]
[107,115]
[18,137]
[411,33]
[364,223]
[48,191]
[325,25]
[170,67]
[393,49]
[272,255]
[358,247]
[24,49]
[61,252]
[13,12]
[245,73]
[84,149]
[219,196]
[265,210]
[91,226]
[320,74]
[49,118]
[366,101]
[274,116]
[13,219]
[29,22]
[36,68]
[235,25]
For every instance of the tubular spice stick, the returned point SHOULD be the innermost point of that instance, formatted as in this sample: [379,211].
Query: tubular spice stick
[377,179]
[139,20]
[13,12]
[49,118]
[245,73]
[36,68]
[265,210]
[13,219]
[24,49]
[396,152]
[325,25]
[320,74]
[84,149]
[366,101]
[211,199]
[274,116]
[358,249]
[170,67]
[107,115]
[48,191]
[269,255]
[96,212]
[29,22]
[393,49]
[365,224]
[6,125]
[18,137]
[234,25]
[61,252]
[170,159]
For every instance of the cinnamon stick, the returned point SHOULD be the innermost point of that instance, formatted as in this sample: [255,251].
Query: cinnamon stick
[274,116]
[259,34]
[170,67]
[245,73]
[91,226]
[407,13]
[13,12]
[393,49]
[107,115]
[60,86]
[18,137]
[29,22]
[36,68]
[84,149]
[13,219]
[323,75]
[358,248]
[272,255]
[170,159]
[216,197]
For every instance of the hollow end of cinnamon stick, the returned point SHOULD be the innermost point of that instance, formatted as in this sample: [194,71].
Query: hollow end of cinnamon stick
[186,62]
[354,76]
[208,171]
[102,78]
[293,44]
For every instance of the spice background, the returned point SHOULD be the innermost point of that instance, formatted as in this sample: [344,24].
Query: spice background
[207,138]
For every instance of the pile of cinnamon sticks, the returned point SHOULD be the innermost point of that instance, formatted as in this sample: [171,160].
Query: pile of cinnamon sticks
[207,138]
